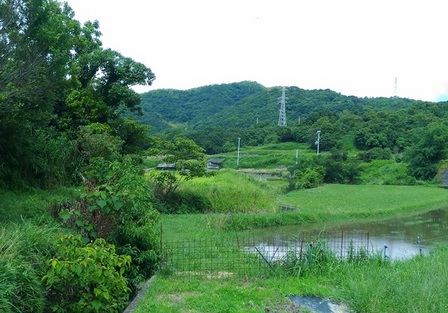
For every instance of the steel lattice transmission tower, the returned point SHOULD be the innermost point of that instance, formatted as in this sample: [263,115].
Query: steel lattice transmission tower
[282,115]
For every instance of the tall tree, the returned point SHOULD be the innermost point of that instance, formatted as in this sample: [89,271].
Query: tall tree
[55,77]
[35,45]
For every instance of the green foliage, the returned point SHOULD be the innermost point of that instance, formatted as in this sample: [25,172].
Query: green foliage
[185,201]
[117,206]
[243,104]
[135,135]
[31,205]
[42,158]
[339,168]
[188,160]
[375,154]
[425,155]
[386,172]
[94,274]
[311,178]
[313,172]
[229,191]
[55,77]
[24,250]
[194,105]
[95,141]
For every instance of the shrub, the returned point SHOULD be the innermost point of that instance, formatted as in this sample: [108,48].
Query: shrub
[375,154]
[386,172]
[117,206]
[311,178]
[86,278]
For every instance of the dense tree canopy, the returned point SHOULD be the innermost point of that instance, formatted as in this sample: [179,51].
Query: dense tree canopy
[54,78]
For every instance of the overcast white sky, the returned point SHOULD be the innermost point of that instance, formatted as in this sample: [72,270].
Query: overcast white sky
[355,47]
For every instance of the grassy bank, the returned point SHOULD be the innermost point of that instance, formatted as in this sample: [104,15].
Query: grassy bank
[416,285]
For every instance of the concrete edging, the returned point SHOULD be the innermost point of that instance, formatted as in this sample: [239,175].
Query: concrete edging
[140,295]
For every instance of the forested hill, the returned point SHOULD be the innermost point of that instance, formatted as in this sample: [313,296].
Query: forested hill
[166,107]
[242,104]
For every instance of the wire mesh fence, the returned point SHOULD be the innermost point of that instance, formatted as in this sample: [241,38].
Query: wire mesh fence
[257,257]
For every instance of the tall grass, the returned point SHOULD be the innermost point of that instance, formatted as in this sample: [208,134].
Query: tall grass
[24,250]
[417,285]
[385,172]
[371,286]
[229,191]
[33,204]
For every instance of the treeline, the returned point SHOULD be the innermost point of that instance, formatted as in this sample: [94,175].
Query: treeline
[373,128]
[245,104]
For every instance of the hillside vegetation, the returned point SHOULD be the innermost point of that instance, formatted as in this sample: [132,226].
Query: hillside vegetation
[84,183]
[240,104]
[367,129]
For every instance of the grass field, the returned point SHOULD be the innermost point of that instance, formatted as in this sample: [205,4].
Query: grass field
[415,285]
[326,204]
[267,156]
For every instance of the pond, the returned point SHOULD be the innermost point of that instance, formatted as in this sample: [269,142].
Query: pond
[398,238]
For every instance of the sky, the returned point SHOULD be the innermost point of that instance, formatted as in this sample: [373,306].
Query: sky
[365,48]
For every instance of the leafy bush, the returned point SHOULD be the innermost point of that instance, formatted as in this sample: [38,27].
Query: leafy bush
[375,154]
[117,206]
[311,178]
[386,172]
[87,278]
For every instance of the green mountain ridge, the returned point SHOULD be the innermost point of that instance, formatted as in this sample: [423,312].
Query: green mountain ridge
[243,104]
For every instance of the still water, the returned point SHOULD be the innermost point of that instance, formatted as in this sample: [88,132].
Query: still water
[404,237]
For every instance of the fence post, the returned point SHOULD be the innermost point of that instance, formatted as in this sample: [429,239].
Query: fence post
[385,252]
[310,254]
[419,245]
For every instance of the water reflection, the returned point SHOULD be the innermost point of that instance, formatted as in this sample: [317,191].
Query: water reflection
[404,237]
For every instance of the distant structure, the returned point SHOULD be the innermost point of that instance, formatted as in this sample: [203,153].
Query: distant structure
[396,87]
[282,115]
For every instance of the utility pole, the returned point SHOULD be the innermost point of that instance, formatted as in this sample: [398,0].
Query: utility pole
[238,155]
[282,115]
[317,143]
